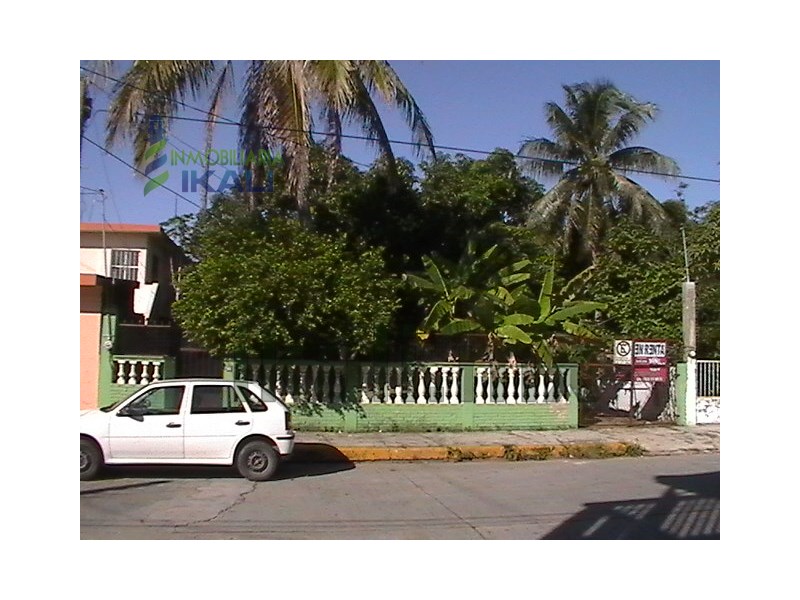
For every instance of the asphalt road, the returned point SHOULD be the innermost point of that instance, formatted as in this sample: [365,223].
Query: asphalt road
[663,497]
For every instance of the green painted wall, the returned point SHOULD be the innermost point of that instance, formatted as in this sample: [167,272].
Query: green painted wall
[439,417]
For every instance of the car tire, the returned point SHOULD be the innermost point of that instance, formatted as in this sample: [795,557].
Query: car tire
[257,461]
[91,460]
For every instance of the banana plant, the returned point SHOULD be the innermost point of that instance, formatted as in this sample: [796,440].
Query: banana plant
[480,294]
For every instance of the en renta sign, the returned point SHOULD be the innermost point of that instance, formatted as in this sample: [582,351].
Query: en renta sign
[650,361]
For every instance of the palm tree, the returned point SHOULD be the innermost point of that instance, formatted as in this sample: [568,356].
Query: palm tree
[281,99]
[590,157]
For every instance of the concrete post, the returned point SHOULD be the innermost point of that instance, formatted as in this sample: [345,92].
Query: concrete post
[688,294]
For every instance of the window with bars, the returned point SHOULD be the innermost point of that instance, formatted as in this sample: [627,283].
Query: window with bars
[125,264]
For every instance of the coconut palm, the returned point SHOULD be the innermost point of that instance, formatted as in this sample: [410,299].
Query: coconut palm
[591,158]
[281,100]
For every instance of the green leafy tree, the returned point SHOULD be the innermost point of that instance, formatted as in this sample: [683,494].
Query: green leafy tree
[591,156]
[270,287]
[638,275]
[703,248]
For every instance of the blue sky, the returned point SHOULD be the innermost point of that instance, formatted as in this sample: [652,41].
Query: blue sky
[473,104]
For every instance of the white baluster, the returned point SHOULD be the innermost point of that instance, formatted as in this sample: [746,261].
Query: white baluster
[268,376]
[479,385]
[315,381]
[421,399]
[301,394]
[521,386]
[445,393]
[512,371]
[132,372]
[378,387]
[157,370]
[278,382]
[550,393]
[432,385]
[541,389]
[398,388]
[290,388]
[120,372]
[500,388]
[409,399]
[531,384]
[337,384]
[454,399]
[364,389]
[145,366]
[562,386]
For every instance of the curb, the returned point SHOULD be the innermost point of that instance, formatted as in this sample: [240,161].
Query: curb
[317,452]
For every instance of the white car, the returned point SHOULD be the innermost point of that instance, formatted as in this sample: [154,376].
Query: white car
[190,422]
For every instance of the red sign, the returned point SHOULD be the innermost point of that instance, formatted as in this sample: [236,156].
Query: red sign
[651,374]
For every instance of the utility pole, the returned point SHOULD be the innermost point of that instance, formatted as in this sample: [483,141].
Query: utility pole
[688,292]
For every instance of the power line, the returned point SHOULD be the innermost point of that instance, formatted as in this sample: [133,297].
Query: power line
[229,121]
[451,148]
[129,165]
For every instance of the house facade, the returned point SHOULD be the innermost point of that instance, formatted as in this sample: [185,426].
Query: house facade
[126,274]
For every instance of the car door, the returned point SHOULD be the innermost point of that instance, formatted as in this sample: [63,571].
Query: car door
[149,428]
[216,420]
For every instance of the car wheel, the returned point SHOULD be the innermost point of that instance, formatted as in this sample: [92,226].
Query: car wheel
[91,460]
[257,461]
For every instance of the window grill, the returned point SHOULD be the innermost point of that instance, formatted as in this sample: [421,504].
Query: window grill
[125,264]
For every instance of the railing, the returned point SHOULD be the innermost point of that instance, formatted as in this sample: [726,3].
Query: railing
[409,383]
[133,370]
[521,385]
[708,379]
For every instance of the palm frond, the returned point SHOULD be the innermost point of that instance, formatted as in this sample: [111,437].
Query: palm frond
[644,159]
[152,87]
[379,75]
[542,157]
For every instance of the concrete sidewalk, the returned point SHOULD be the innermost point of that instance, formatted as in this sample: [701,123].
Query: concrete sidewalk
[590,442]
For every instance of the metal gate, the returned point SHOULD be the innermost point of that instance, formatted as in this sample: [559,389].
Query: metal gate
[609,394]
[708,391]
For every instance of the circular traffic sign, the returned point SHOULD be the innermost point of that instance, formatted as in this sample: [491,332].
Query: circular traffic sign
[623,348]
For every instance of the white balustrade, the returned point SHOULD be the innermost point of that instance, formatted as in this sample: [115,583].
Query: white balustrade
[138,371]
[391,383]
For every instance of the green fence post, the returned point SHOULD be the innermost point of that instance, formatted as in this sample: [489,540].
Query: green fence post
[170,370]
[229,369]
[680,394]
[468,384]
[106,376]
[574,390]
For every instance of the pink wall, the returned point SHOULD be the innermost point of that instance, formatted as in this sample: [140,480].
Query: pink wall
[90,346]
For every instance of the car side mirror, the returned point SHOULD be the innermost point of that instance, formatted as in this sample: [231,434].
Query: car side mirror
[132,411]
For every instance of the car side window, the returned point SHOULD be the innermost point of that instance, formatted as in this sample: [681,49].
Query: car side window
[212,399]
[160,401]
[254,402]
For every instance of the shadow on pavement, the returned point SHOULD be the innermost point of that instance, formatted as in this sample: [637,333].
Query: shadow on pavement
[308,460]
[688,510]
